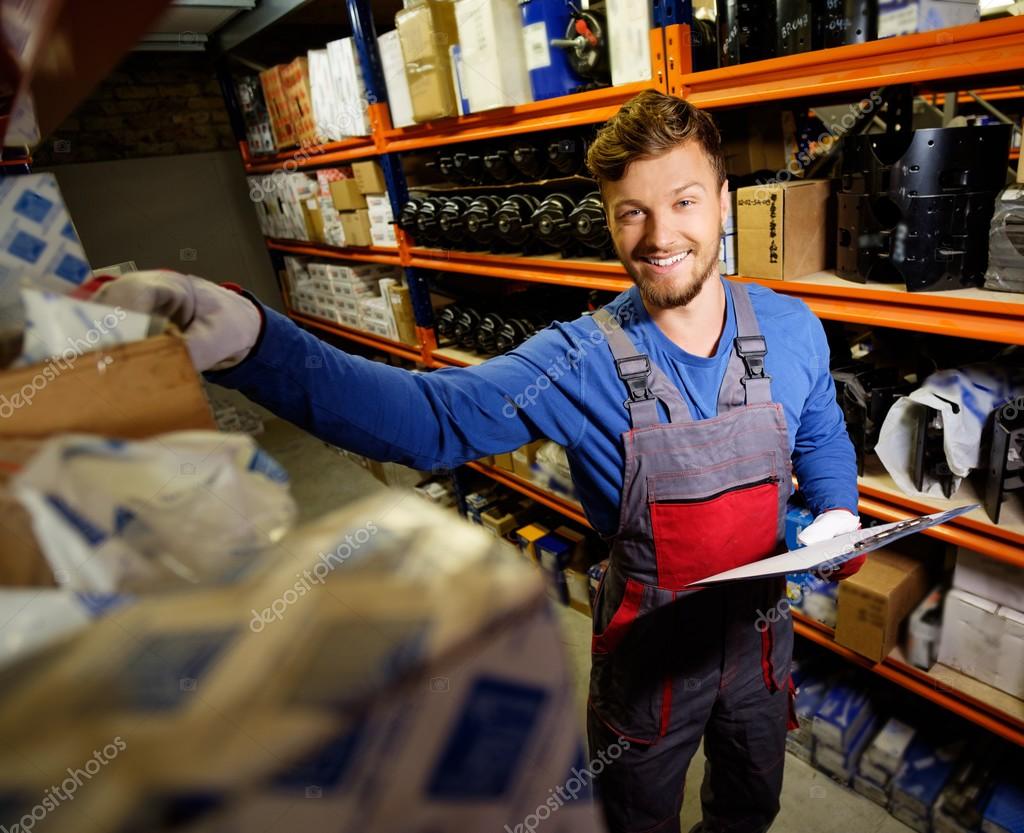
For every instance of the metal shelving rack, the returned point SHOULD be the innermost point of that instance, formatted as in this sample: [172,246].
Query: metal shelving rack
[934,62]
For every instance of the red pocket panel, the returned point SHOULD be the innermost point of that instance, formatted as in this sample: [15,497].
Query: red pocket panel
[694,539]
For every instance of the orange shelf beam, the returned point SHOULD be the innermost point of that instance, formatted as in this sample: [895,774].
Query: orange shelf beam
[311,157]
[919,682]
[950,533]
[552,501]
[958,52]
[395,348]
[567,111]
[368,254]
[943,313]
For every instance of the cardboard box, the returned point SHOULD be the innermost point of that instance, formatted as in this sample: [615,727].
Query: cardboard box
[782,228]
[346,195]
[356,225]
[426,31]
[493,64]
[629,27]
[885,755]
[528,536]
[843,712]
[1010,664]
[295,83]
[842,765]
[972,634]
[926,770]
[278,108]
[379,206]
[504,461]
[401,309]
[983,576]
[399,100]
[873,603]
[1005,808]
[369,177]
[130,391]
[383,235]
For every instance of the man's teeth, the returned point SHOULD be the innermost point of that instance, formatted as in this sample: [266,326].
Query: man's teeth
[668,261]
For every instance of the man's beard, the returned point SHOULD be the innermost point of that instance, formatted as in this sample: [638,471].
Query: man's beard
[668,294]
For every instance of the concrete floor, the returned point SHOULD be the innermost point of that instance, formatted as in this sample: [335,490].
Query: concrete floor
[811,802]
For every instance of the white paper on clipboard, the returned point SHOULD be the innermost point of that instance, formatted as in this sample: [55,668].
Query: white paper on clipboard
[827,556]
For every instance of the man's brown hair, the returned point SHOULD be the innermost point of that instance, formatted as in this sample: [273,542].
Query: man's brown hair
[648,125]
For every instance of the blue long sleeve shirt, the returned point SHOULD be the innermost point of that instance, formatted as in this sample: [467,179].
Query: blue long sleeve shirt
[560,384]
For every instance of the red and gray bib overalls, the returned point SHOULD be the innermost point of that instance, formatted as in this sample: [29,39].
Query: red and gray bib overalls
[672,665]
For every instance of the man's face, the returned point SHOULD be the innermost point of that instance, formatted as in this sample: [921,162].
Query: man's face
[666,217]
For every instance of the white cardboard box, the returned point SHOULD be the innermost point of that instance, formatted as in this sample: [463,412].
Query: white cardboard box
[494,70]
[982,576]
[399,100]
[629,33]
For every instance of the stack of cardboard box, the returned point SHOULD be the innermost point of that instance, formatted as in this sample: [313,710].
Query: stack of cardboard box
[882,760]
[843,726]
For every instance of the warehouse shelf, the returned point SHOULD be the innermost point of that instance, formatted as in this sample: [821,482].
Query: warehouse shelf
[454,357]
[969,313]
[588,107]
[982,704]
[876,483]
[366,254]
[959,52]
[386,345]
[314,156]
[569,508]
[989,94]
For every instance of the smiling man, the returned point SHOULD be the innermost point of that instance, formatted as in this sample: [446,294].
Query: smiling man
[684,407]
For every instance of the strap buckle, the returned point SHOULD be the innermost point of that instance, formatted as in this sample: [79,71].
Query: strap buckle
[635,371]
[752,350]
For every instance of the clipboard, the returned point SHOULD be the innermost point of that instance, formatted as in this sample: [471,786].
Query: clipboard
[827,556]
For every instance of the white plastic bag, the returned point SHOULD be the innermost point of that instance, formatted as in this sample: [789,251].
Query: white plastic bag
[965,398]
[180,508]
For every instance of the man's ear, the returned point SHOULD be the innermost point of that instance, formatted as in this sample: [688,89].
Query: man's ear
[726,203]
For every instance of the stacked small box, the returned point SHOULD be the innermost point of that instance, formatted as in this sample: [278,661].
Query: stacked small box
[370,181]
[295,81]
[401,310]
[350,90]
[376,317]
[334,232]
[324,296]
[296,275]
[727,250]
[920,781]
[843,726]
[882,760]
[258,132]
[277,108]
[812,685]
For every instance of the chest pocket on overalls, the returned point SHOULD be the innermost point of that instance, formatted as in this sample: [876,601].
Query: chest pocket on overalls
[713,518]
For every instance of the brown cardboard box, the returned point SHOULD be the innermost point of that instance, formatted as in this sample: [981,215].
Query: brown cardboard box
[130,391]
[356,225]
[426,31]
[873,603]
[401,309]
[314,219]
[346,195]
[503,461]
[782,228]
[369,177]
[522,459]
[756,141]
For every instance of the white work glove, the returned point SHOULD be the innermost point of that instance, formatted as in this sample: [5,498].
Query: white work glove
[220,326]
[828,525]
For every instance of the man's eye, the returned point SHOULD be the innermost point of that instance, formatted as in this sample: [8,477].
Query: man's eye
[685,202]
[632,212]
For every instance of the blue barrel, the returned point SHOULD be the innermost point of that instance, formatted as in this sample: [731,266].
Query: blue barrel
[550,72]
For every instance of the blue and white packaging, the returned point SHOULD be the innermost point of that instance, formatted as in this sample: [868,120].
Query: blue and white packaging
[813,596]
[1004,812]
[843,712]
[884,757]
[811,690]
[906,17]
[869,789]
[798,518]
[842,765]
[925,771]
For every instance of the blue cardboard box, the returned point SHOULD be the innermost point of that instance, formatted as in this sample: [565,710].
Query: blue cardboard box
[1004,812]
[925,771]
[839,719]
[798,518]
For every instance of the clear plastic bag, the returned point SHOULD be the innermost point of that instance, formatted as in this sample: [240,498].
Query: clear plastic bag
[1006,242]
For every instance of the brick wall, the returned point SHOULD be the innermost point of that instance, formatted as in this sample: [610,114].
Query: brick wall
[153,104]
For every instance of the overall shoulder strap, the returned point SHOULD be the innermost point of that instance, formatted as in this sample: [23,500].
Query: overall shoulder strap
[745,381]
[645,381]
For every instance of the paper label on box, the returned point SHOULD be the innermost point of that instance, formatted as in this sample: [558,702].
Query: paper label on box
[897,21]
[535,42]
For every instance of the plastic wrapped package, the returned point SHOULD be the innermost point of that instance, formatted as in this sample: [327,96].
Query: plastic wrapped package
[426,31]
[1006,242]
